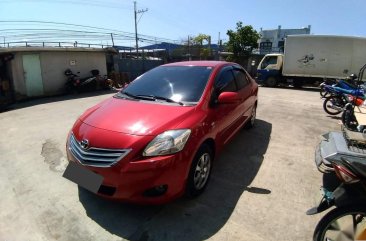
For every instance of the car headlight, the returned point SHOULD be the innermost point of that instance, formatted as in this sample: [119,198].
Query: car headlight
[168,142]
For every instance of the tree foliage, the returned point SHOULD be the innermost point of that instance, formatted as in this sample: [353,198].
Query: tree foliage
[198,40]
[242,41]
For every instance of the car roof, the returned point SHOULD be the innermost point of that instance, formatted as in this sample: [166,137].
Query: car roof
[200,63]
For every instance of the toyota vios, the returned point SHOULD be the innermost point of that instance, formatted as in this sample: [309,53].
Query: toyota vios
[157,138]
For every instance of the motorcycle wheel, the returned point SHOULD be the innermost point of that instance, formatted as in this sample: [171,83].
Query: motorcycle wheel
[349,120]
[333,105]
[323,93]
[344,223]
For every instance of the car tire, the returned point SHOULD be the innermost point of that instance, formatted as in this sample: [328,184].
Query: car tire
[251,122]
[200,171]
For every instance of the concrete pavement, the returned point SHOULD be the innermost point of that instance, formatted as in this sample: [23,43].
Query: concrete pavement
[261,185]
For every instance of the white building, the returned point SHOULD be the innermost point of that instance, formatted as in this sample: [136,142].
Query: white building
[273,40]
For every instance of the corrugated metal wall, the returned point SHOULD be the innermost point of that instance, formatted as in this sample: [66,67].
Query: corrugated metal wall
[133,67]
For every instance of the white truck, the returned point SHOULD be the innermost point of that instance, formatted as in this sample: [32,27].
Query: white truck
[308,59]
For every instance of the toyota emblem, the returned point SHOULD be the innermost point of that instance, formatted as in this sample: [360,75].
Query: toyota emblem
[84,144]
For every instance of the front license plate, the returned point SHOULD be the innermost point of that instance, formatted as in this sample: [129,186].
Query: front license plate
[83,177]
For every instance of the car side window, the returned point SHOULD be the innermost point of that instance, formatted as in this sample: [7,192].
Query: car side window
[226,82]
[241,78]
[248,77]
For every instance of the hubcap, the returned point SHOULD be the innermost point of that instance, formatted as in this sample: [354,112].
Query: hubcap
[202,171]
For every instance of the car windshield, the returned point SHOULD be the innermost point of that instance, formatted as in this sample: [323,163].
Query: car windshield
[174,83]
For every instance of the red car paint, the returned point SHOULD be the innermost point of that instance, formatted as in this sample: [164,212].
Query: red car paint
[128,124]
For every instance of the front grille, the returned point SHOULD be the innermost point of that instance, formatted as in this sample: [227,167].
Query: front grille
[93,156]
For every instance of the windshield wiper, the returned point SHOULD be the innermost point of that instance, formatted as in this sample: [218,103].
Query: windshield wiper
[128,94]
[155,97]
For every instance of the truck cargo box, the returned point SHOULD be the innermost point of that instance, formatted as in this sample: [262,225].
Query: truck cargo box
[323,56]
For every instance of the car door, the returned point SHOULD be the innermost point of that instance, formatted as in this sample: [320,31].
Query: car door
[245,92]
[226,116]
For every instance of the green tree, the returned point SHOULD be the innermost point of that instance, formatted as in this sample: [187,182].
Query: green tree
[242,41]
[197,41]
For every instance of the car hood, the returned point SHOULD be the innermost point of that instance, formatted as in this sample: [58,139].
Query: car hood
[135,117]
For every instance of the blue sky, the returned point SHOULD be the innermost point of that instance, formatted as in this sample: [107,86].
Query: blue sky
[177,19]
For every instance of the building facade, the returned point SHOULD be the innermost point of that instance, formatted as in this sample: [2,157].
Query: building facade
[273,41]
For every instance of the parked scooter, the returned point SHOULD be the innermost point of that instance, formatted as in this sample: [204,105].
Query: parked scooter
[348,220]
[354,114]
[75,84]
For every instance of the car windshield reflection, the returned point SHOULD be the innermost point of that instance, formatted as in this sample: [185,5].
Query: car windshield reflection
[174,84]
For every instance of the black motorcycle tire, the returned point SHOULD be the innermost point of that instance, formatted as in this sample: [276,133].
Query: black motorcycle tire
[333,215]
[333,99]
[349,120]
[323,93]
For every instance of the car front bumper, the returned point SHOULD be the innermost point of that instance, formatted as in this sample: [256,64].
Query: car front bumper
[136,181]
[133,178]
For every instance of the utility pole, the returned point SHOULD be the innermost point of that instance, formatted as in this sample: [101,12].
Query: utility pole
[112,39]
[189,48]
[135,13]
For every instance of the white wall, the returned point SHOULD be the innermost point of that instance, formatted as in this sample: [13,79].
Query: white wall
[53,66]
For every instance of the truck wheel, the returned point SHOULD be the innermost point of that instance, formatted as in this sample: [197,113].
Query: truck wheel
[297,83]
[271,81]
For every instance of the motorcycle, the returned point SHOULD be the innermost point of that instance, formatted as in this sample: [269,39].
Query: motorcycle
[75,84]
[347,221]
[334,104]
[323,93]
[348,84]
[354,114]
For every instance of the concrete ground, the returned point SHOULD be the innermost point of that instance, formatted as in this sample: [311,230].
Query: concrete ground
[261,185]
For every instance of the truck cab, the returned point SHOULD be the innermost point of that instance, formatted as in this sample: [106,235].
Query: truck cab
[269,70]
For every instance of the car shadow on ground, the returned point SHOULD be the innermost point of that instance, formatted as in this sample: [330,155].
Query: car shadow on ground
[190,219]
[50,99]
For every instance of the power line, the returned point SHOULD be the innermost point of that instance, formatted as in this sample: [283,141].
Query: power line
[105,30]
[90,3]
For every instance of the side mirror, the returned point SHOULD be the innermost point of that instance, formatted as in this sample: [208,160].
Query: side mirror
[228,98]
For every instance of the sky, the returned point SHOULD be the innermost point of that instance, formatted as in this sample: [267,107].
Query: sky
[176,20]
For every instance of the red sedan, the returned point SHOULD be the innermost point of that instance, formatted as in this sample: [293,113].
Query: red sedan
[157,138]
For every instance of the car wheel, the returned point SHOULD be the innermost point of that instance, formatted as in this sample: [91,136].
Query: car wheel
[200,171]
[250,123]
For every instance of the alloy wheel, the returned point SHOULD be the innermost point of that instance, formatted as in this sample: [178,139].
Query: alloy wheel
[202,171]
